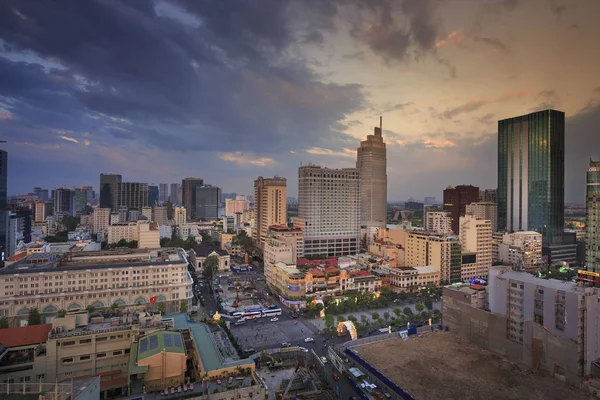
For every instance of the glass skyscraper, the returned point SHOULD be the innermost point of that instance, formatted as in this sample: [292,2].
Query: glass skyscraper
[531,173]
[592,213]
[3,205]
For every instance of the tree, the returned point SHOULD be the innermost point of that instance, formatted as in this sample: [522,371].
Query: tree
[386,316]
[364,320]
[329,321]
[403,296]
[161,307]
[375,315]
[352,318]
[341,319]
[397,311]
[210,267]
[61,313]
[428,304]
[34,317]
[205,236]
[183,306]
[419,307]
[70,223]
[407,311]
[4,323]
[244,241]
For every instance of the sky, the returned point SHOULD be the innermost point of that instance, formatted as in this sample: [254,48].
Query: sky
[231,90]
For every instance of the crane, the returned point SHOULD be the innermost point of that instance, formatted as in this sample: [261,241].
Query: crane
[263,354]
[287,389]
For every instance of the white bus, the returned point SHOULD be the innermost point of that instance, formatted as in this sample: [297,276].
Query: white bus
[271,313]
[237,314]
[252,314]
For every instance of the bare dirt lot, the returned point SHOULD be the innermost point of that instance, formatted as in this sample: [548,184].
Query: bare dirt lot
[445,366]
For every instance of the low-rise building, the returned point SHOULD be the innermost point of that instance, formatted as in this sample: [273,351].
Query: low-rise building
[522,250]
[474,295]
[290,235]
[287,281]
[144,232]
[75,280]
[410,279]
[203,250]
[392,253]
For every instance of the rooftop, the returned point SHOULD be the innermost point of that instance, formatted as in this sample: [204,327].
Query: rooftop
[206,249]
[73,261]
[427,269]
[207,349]
[528,278]
[306,262]
[443,365]
[25,335]
[290,270]
[156,342]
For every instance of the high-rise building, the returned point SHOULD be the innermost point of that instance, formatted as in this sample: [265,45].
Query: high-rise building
[180,215]
[163,193]
[153,194]
[237,205]
[131,195]
[329,205]
[40,211]
[63,202]
[592,214]
[108,190]
[522,250]
[456,200]
[160,215]
[488,195]
[429,201]
[442,252]
[101,219]
[80,201]
[372,165]
[484,210]
[188,195]
[270,206]
[476,237]
[175,194]
[531,173]
[3,203]
[147,213]
[41,194]
[208,199]
[438,222]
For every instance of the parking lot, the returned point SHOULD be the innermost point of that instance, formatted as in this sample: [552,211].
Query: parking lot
[253,333]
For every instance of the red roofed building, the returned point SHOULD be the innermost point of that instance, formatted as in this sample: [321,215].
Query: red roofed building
[25,336]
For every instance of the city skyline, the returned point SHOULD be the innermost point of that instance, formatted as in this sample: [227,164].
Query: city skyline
[306,89]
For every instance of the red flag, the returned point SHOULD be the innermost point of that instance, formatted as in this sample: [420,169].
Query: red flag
[153,299]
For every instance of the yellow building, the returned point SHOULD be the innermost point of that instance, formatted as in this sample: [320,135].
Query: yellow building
[288,281]
[436,250]
[270,205]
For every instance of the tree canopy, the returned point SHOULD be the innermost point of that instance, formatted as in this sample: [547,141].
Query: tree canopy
[34,317]
[210,267]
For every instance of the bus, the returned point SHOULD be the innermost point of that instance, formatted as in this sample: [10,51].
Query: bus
[252,314]
[237,314]
[271,312]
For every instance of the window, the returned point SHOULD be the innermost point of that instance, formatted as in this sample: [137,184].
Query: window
[100,355]
[67,360]
[102,339]
[85,341]
[117,353]
[84,358]
[70,343]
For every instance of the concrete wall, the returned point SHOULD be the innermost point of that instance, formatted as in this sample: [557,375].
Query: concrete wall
[554,355]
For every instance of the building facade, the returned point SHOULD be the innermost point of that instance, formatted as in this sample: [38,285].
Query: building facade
[531,173]
[131,195]
[270,206]
[440,251]
[522,250]
[207,202]
[163,192]
[63,202]
[438,222]
[108,190]
[484,210]
[179,215]
[188,195]
[329,205]
[592,213]
[371,162]
[476,237]
[175,193]
[456,200]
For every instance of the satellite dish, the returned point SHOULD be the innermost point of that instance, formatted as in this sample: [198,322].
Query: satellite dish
[142,314]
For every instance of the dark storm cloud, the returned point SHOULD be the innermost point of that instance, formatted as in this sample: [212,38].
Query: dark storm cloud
[582,142]
[227,84]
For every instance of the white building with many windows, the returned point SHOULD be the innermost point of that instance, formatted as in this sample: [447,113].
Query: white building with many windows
[329,205]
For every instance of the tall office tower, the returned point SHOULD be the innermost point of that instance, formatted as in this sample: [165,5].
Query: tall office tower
[163,192]
[329,205]
[237,205]
[456,201]
[41,194]
[160,215]
[476,237]
[270,206]
[63,202]
[372,166]
[108,190]
[484,210]
[89,193]
[131,195]
[488,195]
[80,201]
[208,199]
[175,194]
[531,173]
[592,214]
[188,195]
[153,194]
[3,204]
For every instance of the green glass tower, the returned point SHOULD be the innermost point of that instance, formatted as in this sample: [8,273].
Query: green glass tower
[592,215]
[531,173]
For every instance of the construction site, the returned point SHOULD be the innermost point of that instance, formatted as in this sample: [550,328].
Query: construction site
[238,294]
[444,366]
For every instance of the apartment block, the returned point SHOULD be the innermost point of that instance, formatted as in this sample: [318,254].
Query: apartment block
[237,205]
[484,210]
[329,205]
[522,250]
[180,215]
[289,235]
[439,251]
[131,195]
[160,215]
[147,212]
[270,207]
[74,280]
[476,237]
[438,222]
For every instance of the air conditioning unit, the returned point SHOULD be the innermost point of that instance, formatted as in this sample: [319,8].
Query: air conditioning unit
[59,329]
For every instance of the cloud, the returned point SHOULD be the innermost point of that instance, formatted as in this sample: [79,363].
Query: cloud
[6,116]
[547,99]
[497,44]
[467,107]
[486,119]
[398,106]
[328,152]
[69,139]
[242,159]
[455,37]
[438,144]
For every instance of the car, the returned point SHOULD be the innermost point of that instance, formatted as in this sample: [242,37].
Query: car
[285,344]
[323,360]
[335,377]
[275,319]
[309,339]
[303,349]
